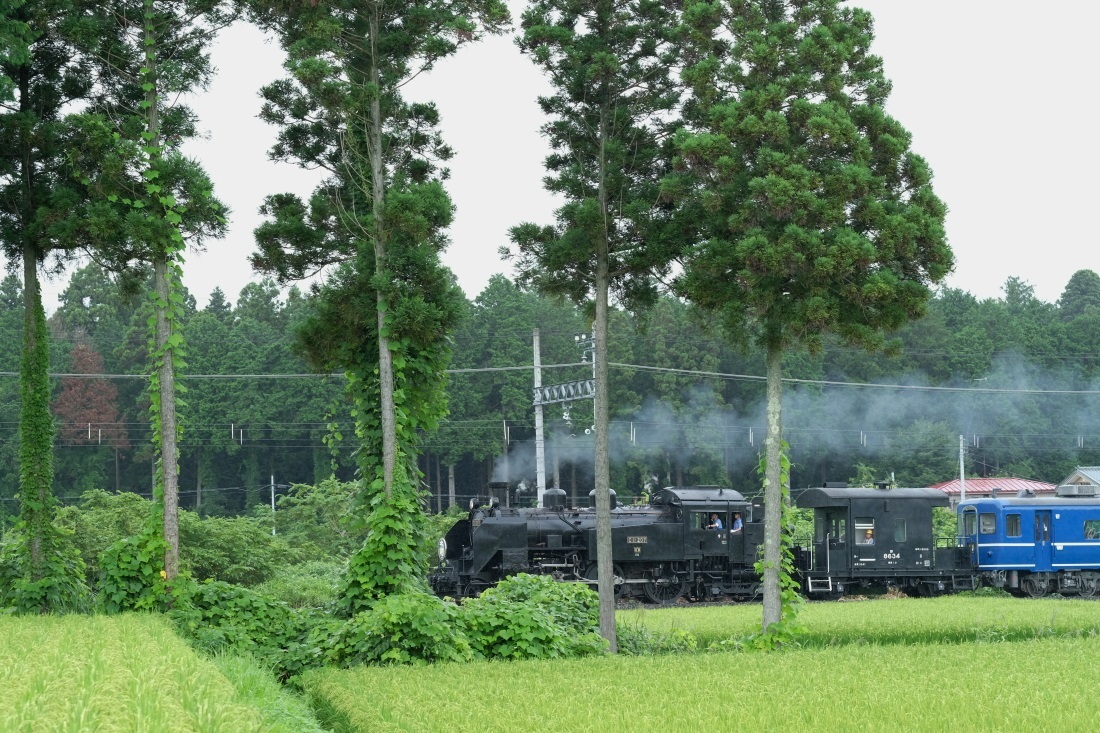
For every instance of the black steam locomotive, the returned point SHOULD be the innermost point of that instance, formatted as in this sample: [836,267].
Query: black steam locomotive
[662,550]
[672,547]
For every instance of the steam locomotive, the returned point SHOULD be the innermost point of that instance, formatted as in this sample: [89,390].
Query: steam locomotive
[666,549]
[662,550]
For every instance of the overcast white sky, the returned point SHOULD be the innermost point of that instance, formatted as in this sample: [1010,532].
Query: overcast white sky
[999,96]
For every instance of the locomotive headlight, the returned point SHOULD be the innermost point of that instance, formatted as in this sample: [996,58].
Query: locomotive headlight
[441,549]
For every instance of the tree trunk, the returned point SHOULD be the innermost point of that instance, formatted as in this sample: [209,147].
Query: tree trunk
[198,480]
[378,190]
[35,423]
[168,429]
[604,561]
[772,491]
[163,324]
[450,484]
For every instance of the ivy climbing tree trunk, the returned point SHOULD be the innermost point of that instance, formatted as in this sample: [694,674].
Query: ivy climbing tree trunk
[378,196]
[36,429]
[773,446]
[166,343]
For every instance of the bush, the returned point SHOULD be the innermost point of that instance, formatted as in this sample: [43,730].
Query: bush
[239,550]
[308,585]
[534,617]
[404,628]
[217,616]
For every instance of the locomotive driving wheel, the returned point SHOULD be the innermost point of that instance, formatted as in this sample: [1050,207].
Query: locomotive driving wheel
[592,572]
[665,589]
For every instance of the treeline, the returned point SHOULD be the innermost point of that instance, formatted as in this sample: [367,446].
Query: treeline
[687,407]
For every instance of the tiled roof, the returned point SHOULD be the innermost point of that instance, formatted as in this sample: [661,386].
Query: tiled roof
[1006,486]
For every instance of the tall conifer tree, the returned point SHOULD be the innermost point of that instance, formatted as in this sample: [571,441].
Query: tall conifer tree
[811,214]
[383,315]
[609,62]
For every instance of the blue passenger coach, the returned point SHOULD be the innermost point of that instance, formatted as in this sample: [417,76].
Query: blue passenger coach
[1031,546]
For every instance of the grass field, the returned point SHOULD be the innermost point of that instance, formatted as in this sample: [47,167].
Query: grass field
[131,674]
[950,619]
[955,663]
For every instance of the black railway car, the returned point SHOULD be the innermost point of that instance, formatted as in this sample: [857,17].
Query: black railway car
[879,537]
[661,551]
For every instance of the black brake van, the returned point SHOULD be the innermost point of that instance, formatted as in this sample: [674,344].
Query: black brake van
[878,537]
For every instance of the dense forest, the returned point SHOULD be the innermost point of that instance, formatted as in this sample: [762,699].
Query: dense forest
[1010,374]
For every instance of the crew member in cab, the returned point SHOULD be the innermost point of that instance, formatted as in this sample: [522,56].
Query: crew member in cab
[714,522]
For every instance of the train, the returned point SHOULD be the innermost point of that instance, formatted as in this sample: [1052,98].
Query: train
[671,547]
[1034,546]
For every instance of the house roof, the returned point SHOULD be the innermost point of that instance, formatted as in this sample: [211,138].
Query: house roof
[1006,486]
[1092,473]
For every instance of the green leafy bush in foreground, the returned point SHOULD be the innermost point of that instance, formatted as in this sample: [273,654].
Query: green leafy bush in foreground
[534,617]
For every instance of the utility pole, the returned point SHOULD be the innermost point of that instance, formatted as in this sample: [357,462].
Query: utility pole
[272,505]
[962,470]
[540,440]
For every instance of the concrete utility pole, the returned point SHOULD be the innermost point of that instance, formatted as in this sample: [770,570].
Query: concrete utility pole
[540,441]
[962,470]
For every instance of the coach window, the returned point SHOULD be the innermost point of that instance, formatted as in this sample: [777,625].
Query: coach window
[1013,526]
[865,531]
[1092,529]
[987,523]
[819,528]
[970,524]
[899,530]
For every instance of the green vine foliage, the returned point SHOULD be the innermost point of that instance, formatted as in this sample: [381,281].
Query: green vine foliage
[40,571]
[59,589]
[132,574]
[421,306]
[787,630]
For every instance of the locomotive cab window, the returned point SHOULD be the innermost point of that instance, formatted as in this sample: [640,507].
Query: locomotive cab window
[702,520]
[1013,527]
[987,523]
[865,531]
[1092,529]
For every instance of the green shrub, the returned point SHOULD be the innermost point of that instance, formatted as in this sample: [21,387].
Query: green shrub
[308,585]
[313,518]
[404,628]
[239,550]
[62,587]
[534,617]
[131,576]
[217,616]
